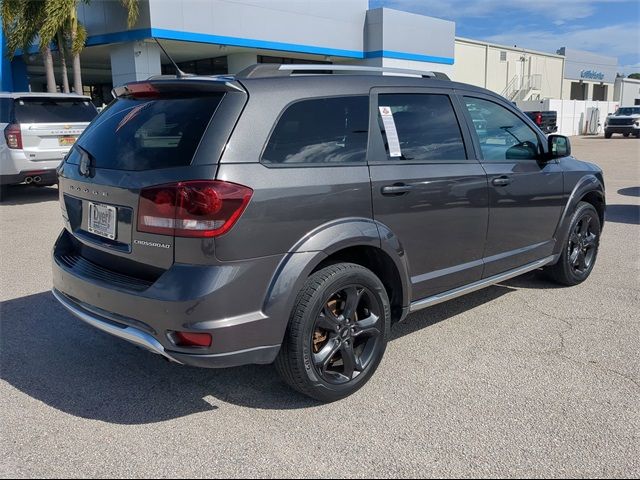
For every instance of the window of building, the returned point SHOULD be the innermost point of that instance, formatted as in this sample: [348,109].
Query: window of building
[322,130]
[501,133]
[289,61]
[204,66]
[578,91]
[426,126]
[600,92]
[503,56]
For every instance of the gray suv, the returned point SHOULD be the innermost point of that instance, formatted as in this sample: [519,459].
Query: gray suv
[293,216]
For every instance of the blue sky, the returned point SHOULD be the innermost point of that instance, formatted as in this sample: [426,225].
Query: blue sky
[608,27]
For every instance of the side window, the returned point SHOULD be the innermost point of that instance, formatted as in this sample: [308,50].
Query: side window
[321,130]
[420,127]
[502,134]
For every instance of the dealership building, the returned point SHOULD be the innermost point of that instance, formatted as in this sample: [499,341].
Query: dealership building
[210,37]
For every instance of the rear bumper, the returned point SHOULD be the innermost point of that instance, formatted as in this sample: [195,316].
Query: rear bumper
[223,300]
[259,355]
[47,177]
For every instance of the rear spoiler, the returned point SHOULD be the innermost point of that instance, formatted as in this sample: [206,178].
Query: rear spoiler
[171,85]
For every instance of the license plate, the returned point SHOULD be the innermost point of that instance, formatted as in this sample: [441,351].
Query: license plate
[67,141]
[103,220]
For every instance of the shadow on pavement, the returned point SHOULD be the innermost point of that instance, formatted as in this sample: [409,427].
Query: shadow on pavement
[26,194]
[51,356]
[629,214]
[630,191]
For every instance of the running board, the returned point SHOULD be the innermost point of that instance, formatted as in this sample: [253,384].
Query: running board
[472,287]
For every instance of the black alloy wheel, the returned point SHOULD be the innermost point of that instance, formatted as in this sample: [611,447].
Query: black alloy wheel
[337,333]
[347,334]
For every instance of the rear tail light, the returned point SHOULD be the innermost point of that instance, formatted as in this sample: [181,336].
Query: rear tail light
[13,136]
[538,119]
[190,339]
[200,208]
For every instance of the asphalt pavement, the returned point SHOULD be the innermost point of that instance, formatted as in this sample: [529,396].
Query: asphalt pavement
[520,379]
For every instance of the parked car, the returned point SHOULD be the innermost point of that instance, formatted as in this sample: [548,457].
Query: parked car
[39,129]
[625,120]
[546,121]
[276,217]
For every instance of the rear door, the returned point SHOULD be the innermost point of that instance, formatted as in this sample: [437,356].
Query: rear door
[135,143]
[526,194]
[427,187]
[51,125]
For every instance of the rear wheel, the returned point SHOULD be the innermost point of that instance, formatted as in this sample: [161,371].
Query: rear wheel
[607,135]
[337,333]
[625,135]
[581,247]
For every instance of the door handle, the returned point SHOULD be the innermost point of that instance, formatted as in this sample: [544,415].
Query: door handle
[501,181]
[397,189]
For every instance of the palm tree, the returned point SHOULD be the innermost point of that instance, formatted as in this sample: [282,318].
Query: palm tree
[53,21]
[21,20]
[62,25]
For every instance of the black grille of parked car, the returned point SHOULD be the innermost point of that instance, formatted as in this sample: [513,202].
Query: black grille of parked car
[621,121]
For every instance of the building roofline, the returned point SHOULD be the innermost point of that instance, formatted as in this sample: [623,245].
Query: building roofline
[506,47]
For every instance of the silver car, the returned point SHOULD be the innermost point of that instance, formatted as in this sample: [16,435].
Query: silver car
[39,129]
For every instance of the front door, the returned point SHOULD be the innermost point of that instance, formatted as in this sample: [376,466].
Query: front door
[526,193]
[428,188]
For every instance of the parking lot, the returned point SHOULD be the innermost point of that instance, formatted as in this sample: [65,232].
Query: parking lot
[521,379]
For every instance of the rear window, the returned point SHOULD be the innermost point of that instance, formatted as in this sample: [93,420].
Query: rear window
[53,110]
[5,110]
[147,134]
[324,130]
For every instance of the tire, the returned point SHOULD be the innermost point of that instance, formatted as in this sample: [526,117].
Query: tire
[625,135]
[321,346]
[580,250]
[607,134]
[637,133]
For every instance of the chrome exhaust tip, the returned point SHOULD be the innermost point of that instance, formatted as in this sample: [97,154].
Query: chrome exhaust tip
[28,180]
[37,179]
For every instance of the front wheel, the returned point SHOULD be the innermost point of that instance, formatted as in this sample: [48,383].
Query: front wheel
[581,247]
[337,333]
[625,135]
[607,135]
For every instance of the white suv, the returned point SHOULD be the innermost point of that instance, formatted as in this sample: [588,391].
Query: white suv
[38,129]
[626,121]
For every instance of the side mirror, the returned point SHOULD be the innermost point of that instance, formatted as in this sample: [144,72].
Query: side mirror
[559,146]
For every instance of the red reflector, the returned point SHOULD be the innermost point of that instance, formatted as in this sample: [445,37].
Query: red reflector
[539,119]
[190,339]
[13,136]
[200,208]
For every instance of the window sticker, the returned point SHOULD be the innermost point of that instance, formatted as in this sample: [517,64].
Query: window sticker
[392,133]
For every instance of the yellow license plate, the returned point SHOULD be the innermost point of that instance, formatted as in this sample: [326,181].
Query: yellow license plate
[67,141]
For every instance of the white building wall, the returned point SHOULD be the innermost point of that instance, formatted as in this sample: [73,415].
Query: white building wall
[627,91]
[485,65]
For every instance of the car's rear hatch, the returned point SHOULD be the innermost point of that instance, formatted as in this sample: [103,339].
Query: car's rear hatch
[155,133]
[49,126]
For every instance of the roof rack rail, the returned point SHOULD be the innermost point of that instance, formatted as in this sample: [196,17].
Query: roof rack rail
[265,70]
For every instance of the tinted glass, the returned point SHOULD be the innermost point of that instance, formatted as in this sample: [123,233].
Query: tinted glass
[628,111]
[426,125]
[133,134]
[502,134]
[326,130]
[5,110]
[53,110]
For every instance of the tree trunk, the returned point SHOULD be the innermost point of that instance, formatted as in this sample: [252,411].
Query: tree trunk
[48,67]
[77,72]
[77,75]
[63,63]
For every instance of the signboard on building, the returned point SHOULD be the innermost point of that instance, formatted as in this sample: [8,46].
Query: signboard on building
[588,66]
